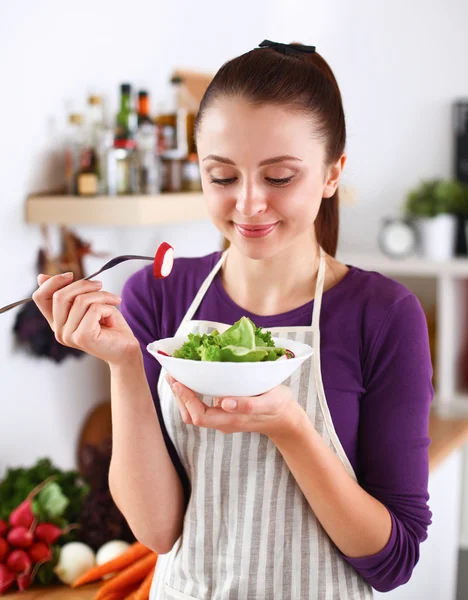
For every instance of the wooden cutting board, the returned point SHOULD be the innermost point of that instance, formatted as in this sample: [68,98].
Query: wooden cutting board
[96,428]
[59,592]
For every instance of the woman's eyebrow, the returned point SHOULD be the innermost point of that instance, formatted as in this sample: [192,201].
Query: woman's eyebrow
[267,161]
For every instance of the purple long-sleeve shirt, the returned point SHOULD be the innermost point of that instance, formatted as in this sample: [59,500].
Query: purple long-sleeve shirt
[377,375]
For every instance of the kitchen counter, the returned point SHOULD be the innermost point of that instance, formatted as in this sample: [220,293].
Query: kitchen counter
[447,435]
[59,592]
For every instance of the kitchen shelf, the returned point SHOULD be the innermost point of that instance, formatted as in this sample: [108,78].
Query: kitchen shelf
[124,211]
[412,267]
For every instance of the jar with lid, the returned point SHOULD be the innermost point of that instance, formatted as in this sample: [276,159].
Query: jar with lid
[126,167]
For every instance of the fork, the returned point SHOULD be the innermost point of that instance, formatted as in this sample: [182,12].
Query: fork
[111,263]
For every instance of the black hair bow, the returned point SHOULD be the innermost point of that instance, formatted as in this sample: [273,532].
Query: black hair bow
[287,48]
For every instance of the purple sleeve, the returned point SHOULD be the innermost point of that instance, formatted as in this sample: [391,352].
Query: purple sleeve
[393,440]
[139,296]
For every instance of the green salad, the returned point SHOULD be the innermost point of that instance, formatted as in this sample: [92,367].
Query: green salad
[243,342]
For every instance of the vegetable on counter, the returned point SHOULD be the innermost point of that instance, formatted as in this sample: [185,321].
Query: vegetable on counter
[18,483]
[243,342]
[133,574]
[134,553]
[75,559]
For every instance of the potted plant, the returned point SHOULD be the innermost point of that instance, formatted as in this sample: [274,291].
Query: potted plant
[433,205]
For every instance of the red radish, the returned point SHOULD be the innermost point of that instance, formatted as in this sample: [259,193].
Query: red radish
[4,549]
[50,533]
[23,515]
[19,561]
[39,552]
[163,261]
[290,353]
[163,353]
[20,537]
[3,528]
[23,581]
[7,578]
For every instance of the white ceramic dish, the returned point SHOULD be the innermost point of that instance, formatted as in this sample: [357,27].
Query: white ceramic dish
[220,379]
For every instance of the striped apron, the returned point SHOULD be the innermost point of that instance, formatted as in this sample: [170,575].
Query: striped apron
[249,532]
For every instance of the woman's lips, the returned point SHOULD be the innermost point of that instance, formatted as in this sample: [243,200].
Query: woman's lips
[255,231]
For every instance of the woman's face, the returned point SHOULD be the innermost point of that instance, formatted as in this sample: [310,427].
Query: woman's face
[263,175]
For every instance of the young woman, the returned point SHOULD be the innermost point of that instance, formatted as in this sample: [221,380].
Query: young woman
[317,489]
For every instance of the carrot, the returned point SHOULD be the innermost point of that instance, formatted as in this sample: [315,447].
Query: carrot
[130,556]
[143,591]
[121,594]
[135,573]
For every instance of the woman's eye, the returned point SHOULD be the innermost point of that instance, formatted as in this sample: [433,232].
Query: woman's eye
[223,181]
[279,182]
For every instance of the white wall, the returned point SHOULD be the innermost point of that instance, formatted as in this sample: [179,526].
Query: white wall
[399,68]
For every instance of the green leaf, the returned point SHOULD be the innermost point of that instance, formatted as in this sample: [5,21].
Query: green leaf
[51,502]
[239,354]
[242,333]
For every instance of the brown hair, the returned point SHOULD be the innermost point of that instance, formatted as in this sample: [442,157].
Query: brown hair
[305,83]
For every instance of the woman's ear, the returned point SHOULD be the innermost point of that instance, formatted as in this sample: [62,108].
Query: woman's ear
[333,177]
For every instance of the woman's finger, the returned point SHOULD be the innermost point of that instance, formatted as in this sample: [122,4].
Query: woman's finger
[41,278]
[43,295]
[64,298]
[78,310]
[89,329]
[186,418]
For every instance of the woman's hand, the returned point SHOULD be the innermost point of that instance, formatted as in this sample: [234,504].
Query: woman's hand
[85,317]
[275,414]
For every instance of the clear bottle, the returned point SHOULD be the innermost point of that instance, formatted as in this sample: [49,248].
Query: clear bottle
[173,122]
[191,174]
[148,159]
[127,167]
[107,163]
[75,136]
[94,120]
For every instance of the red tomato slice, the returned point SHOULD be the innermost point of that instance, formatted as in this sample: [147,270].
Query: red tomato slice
[163,261]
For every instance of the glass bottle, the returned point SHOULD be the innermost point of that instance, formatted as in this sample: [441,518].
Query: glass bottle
[127,120]
[173,122]
[73,145]
[149,162]
[94,120]
[191,174]
[143,108]
[126,167]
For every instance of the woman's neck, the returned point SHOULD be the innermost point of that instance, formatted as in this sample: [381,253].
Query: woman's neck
[273,285]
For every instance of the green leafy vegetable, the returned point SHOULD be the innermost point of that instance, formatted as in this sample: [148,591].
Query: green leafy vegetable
[243,342]
[50,503]
[18,482]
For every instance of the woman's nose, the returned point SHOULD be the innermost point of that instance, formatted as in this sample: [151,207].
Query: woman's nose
[251,202]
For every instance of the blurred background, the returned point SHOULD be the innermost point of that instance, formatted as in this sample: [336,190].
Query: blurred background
[97,159]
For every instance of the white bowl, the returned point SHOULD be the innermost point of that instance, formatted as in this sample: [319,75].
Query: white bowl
[220,379]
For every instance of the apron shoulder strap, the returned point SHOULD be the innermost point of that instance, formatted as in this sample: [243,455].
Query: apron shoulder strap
[202,291]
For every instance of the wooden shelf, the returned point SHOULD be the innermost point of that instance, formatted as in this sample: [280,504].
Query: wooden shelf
[124,211]
[414,266]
